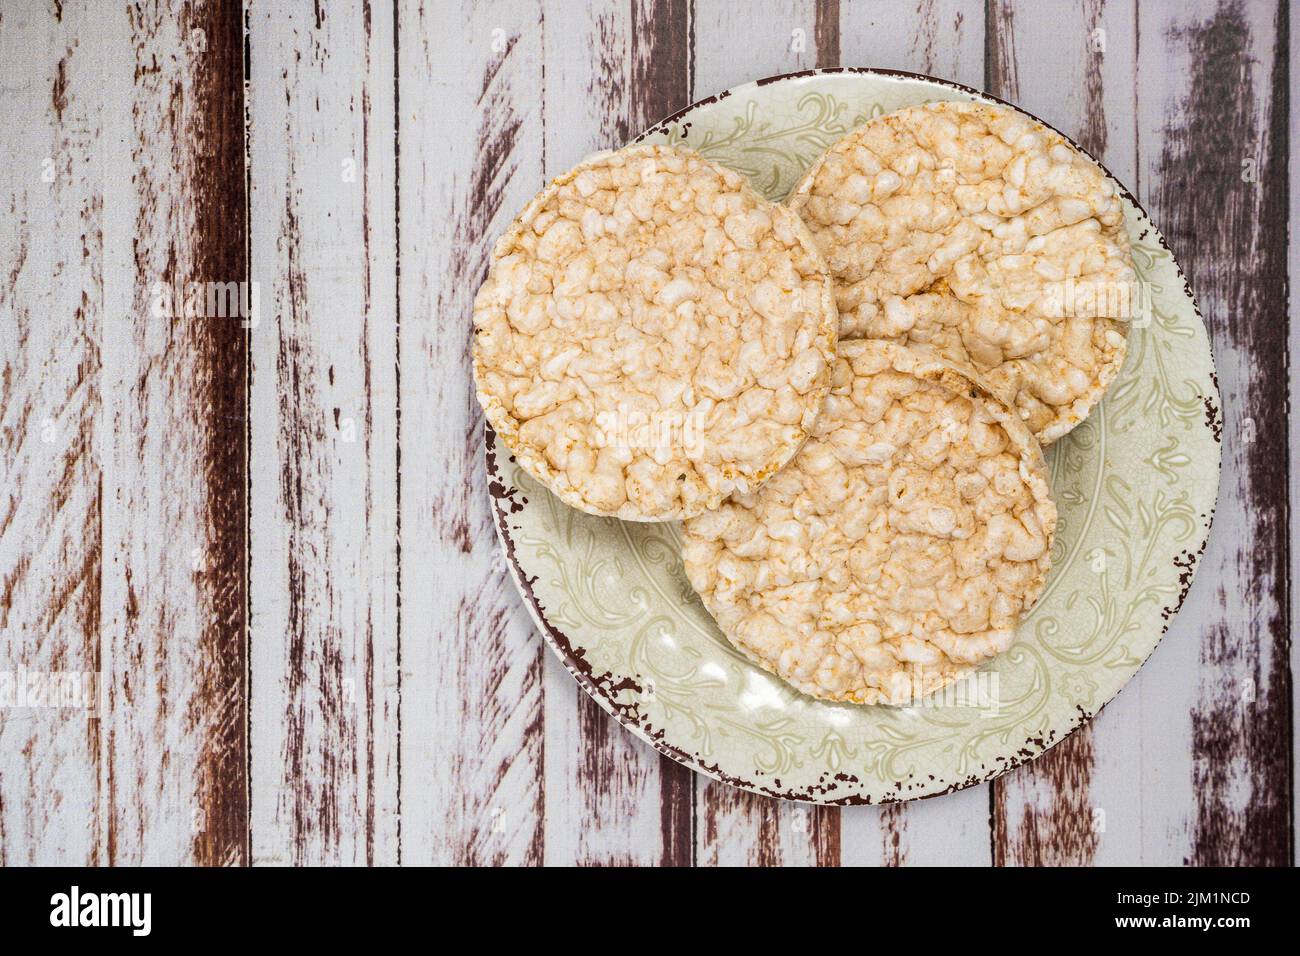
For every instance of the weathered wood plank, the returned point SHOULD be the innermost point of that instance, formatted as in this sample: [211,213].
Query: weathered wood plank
[826,33]
[1213,151]
[1043,814]
[737,828]
[51,317]
[943,38]
[1075,805]
[172,434]
[952,830]
[1293,421]
[323,468]
[469,156]
[612,70]
[731,48]
[122,530]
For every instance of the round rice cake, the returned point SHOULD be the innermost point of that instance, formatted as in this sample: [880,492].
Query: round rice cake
[899,549]
[975,231]
[653,335]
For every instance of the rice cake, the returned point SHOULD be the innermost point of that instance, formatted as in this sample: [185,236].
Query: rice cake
[653,335]
[899,549]
[973,230]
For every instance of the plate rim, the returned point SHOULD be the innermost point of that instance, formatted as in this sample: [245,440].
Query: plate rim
[502,502]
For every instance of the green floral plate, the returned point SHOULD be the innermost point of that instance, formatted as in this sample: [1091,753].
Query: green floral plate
[1135,484]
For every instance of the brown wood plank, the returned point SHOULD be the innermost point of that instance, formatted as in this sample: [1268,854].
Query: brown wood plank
[826,33]
[324,438]
[612,71]
[1213,106]
[1293,304]
[1001,77]
[173,601]
[469,155]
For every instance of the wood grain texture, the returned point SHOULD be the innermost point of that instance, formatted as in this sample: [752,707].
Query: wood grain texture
[1061,808]
[123,525]
[1042,814]
[952,830]
[737,828]
[943,38]
[469,155]
[1213,111]
[733,46]
[324,544]
[1293,421]
[51,317]
[826,33]
[612,70]
[174,484]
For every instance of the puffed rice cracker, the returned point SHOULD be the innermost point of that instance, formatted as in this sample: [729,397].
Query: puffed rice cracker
[971,229]
[653,335]
[899,549]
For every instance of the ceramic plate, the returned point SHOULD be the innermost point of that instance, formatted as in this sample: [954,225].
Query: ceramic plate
[1135,485]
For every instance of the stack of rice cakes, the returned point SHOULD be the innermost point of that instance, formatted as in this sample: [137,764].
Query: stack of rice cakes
[844,397]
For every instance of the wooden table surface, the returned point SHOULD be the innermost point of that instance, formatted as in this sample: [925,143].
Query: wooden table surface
[271,537]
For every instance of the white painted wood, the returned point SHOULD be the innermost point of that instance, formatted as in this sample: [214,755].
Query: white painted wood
[1217,659]
[470,141]
[324,437]
[736,828]
[782,40]
[172,771]
[943,38]
[51,318]
[952,830]
[110,558]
